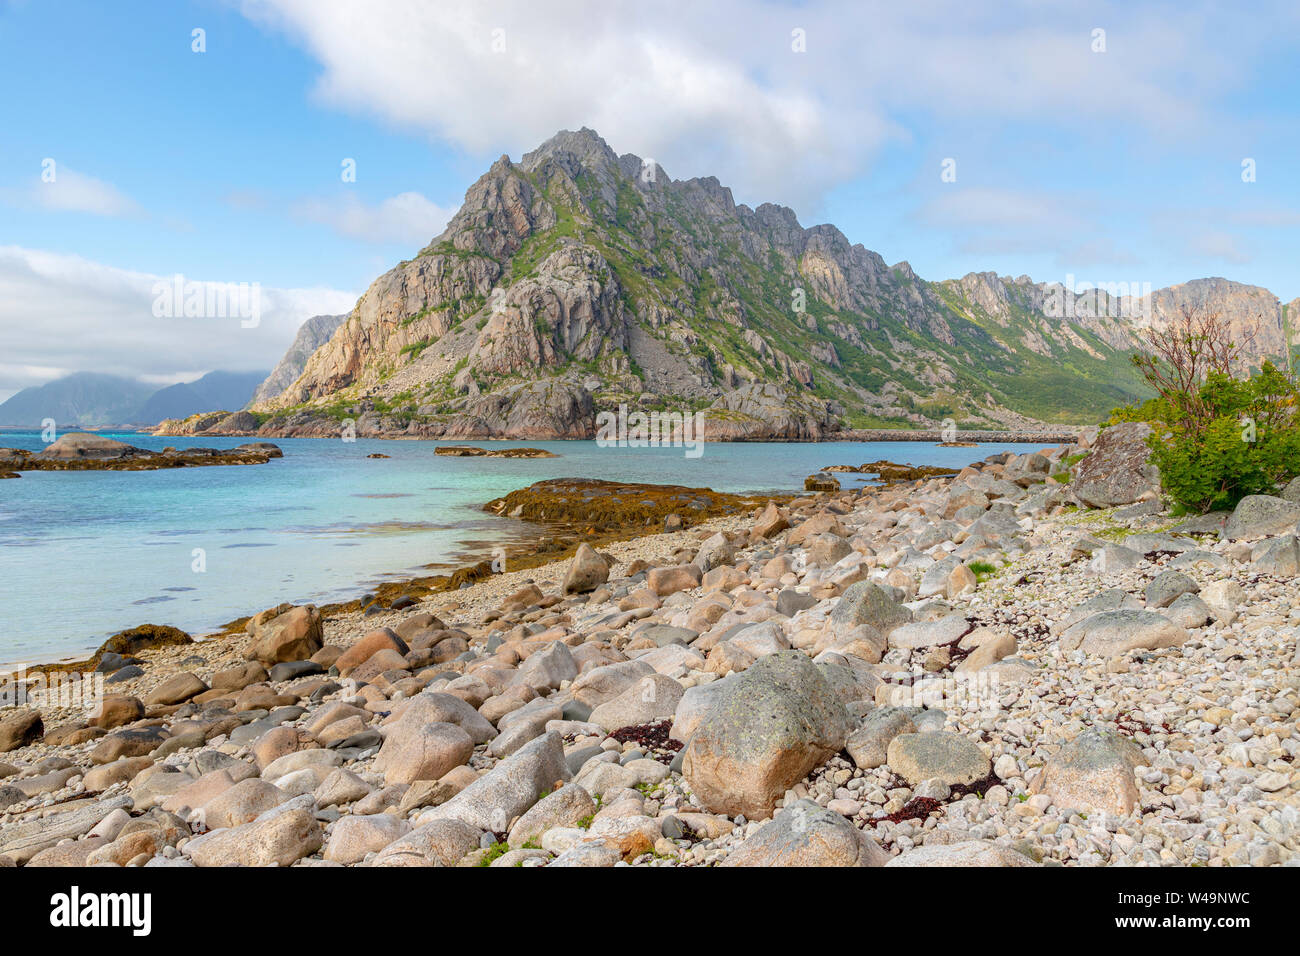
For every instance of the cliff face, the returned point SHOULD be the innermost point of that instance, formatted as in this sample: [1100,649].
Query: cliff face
[312,334]
[576,280]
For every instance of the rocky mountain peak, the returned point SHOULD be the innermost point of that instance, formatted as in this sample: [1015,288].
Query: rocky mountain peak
[577,281]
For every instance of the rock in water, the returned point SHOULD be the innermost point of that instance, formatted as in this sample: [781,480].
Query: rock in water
[779,720]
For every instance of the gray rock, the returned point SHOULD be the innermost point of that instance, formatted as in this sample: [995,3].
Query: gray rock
[436,843]
[952,758]
[654,697]
[866,602]
[790,602]
[547,669]
[1117,470]
[1112,599]
[966,853]
[1111,633]
[566,807]
[605,683]
[1167,586]
[869,744]
[931,633]
[779,720]
[509,789]
[1279,557]
[1258,516]
[1189,611]
[805,834]
[1094,773]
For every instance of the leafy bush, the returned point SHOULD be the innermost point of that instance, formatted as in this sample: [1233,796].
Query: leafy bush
[1227,439]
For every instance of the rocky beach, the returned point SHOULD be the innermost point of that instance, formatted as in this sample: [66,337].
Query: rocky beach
[1028,663]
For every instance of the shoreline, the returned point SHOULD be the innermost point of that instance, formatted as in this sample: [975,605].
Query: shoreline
[539,546]
[1045,663]
[414,582]
[1046,436]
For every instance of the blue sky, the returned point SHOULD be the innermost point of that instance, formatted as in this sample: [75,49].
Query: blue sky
[1114,164]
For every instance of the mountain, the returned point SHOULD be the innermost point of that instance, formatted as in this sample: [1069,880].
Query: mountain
[312,334]
[83,399]
[92,400]
[577,280]
[216,390]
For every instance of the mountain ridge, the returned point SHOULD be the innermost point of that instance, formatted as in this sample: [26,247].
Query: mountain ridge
[97,400]
[577,280]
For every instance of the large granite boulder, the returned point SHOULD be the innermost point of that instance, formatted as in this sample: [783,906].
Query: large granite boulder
[775,723]
[1257,516]
[294,635]
[1093,773]
[1112,633]
[1118,471]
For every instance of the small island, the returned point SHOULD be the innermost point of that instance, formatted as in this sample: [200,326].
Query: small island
[81,451]
[471,451]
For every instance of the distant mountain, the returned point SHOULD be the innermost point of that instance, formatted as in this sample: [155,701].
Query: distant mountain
[313,333]
[84,399]
[577,281]
[216,390]
[92,400]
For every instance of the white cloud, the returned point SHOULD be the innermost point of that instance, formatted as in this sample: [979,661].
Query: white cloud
[407,217]
[715,89]
[1215,244]
[62,313]
[71,191]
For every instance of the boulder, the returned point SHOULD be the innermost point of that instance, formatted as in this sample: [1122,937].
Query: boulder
[866,602]
[1112,633]
[1258,516]
[422,751]
[938,754]
[651,698]
[353,838]
[509,789]
[279,837]
[1118,470]
[20,730]
[869,744]
[963,854]
[587,571]
[566,807]
[1093,773]
[117,711]
[176,689]
[805,834]
[437,843]
[294,635]
[778,721]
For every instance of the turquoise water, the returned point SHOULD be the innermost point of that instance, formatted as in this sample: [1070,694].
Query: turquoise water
[86,554]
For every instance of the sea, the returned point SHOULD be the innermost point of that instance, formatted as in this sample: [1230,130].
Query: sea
[85,554]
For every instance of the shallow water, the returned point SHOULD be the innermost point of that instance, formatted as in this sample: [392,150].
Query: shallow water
[85,554]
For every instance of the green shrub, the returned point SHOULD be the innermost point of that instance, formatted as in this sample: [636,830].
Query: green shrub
[1235,438]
